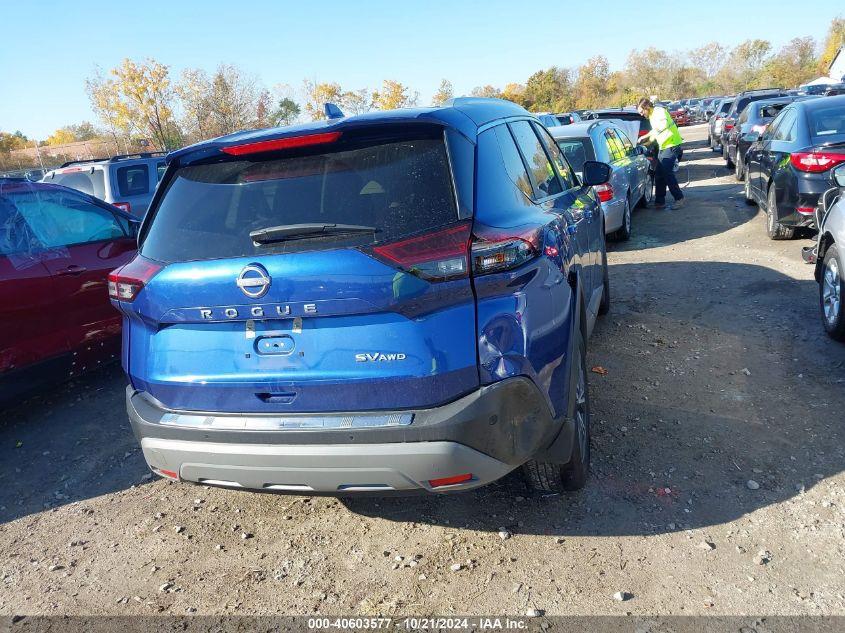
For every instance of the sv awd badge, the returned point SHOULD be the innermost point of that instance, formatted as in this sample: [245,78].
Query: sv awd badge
[378,357]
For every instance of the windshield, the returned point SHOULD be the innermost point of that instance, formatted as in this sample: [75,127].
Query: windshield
[398,187]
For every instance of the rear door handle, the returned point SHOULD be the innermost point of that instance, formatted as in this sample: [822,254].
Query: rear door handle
[73,270]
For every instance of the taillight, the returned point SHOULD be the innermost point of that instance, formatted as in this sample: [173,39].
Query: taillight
[805,210]
[641,133]
[604,192]
[437,256]
[728,125]
[123,206]
[125,283]
[497,253]
[816,162]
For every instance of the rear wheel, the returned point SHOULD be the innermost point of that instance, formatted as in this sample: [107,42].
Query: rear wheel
[604,306]
[749,198]
[774,229]
[551,477]
[726,155]
[648,194]
[623,233]
[831,290]
[739,168]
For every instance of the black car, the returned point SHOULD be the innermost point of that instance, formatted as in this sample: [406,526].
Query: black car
[755,118]
[835,89]
[739,104]
[791,164]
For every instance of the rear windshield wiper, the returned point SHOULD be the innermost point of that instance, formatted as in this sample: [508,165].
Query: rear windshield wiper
[285,232]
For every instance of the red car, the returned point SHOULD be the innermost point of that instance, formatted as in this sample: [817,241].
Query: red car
[680,116]
[57,247]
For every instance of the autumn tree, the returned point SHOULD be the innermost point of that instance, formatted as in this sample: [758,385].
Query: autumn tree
[393,95]
[649,72]
[489,92]
[317,95]
[109,106]
[146,91]
[355,102]
[514,92]
[744,67]
[443,93]
[793,65]
[833,42]
[70,133]
[710,59]
[591,87]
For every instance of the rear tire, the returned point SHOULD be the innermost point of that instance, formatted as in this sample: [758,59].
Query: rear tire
[604,306]
[623,233]
[749,198]
[728,162]
[648,194]
[774,229]
[551,477]
[831,291]
[739,168]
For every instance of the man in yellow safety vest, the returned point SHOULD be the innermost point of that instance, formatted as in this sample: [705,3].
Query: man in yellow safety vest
[665,133]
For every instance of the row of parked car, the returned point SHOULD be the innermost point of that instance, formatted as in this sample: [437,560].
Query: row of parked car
[410,291]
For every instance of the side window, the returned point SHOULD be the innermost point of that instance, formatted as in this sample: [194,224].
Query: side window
[62,219]
[133,180]
[563,169]
[540,169]
[614,147]
[626,143]
[513,161]
[160,169]
[784,129]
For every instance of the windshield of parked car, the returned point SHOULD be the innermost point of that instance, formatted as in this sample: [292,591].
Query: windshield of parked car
[399,187]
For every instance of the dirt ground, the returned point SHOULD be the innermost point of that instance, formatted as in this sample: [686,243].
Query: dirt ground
[718,372]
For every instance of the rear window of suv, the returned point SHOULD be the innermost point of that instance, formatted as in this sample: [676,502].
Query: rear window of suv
[90,181]
[133,180]
[826,122]
[399,186]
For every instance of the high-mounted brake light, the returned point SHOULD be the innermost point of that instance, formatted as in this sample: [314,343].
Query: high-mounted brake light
[125,283]
[436,256]
[604,192]
[816,162]
[282,143]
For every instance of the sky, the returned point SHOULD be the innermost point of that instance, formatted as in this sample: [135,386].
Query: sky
[48,48]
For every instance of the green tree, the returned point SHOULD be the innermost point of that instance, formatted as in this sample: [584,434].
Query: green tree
[286,112]
[744,68]
[549,90]
[443,94]
[794,64]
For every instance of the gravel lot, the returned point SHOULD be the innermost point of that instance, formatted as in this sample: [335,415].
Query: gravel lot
[719,379]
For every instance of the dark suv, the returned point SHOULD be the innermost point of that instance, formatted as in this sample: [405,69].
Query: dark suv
[740,102]
[399,300]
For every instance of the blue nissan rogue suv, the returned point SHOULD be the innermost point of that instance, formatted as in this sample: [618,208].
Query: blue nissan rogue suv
[394,301]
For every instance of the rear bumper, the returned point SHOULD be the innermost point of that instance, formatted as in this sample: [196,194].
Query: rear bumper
[614,214]
[487,433]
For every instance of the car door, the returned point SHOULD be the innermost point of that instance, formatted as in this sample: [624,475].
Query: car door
[776,148]
[85,240]
[581,207]
[29,330]
[637,167]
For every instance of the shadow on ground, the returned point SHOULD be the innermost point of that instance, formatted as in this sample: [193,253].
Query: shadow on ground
[72,444]
[707,388]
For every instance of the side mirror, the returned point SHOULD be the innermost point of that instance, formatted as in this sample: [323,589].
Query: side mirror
[839,176]
[751,137]
[596,173]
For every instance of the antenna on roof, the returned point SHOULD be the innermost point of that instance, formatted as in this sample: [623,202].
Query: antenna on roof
[332,111]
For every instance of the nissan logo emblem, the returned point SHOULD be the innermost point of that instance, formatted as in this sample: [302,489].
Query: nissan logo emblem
[254,281]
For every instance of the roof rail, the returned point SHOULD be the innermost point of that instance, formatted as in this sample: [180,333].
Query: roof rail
[114,159]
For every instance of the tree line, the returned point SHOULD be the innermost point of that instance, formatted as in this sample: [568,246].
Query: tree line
[142,102]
